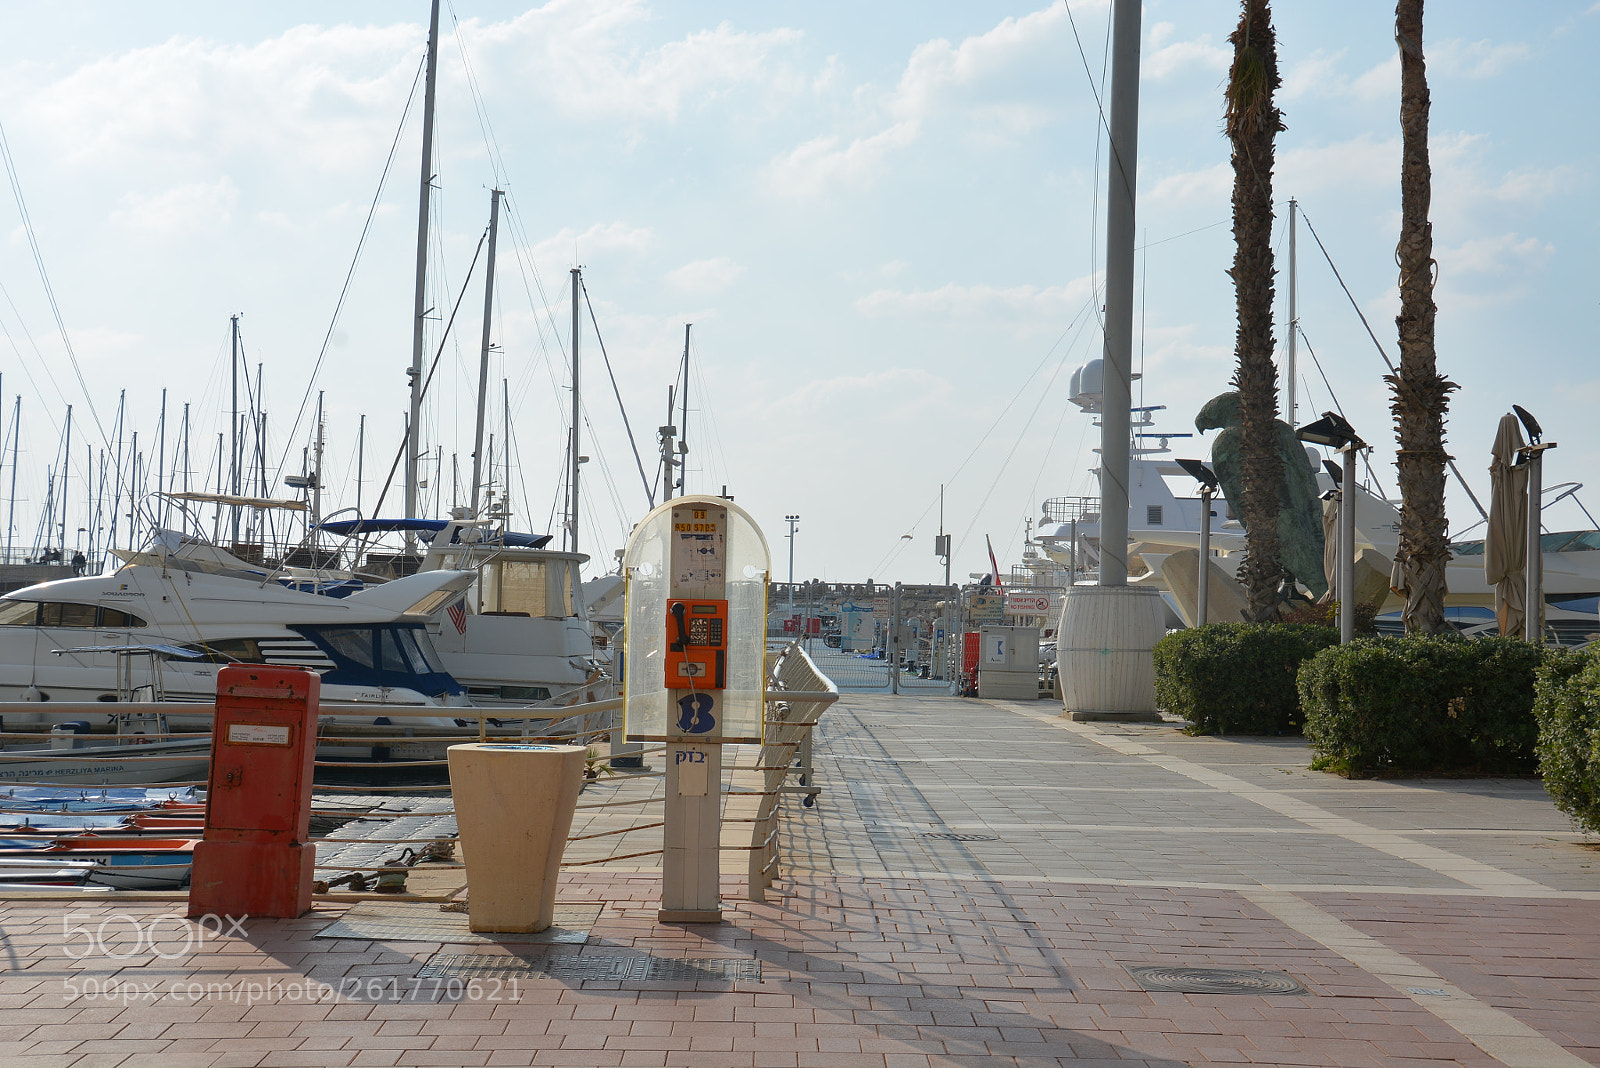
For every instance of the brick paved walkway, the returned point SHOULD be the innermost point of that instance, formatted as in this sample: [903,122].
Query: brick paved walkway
[1439,922]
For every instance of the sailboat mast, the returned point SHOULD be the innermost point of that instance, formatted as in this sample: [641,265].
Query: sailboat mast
[505,490]
[361,463]
[669,450]
[572,515]
[233,463]
[66,465]
[316,480]
[133,490]
[1117,383]
[161,455]
[420,305]
[483,357]
[11,519]
[683,423]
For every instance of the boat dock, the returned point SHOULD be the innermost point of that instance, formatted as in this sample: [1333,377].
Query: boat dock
[979,882]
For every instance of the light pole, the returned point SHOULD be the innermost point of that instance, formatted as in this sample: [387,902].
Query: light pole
[1533,455]
[1333,430]
[1208,488]
[793,521]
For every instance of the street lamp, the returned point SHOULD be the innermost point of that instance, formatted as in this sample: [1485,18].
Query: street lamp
[1208,488]
[1334,431]
[1533,456]
[793,521]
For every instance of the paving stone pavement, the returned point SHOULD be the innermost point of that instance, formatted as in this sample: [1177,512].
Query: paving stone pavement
[1438,922]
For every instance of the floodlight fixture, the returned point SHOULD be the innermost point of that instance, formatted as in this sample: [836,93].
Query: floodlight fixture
[1335,472]
[1332,430]
[1200,473]
[1529,423]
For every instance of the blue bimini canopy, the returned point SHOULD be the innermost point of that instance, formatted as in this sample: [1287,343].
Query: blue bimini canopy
[428,528]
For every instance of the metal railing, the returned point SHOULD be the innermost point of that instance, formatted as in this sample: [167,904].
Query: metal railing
[797,696]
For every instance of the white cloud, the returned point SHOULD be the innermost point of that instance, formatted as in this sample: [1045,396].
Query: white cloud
[185,209]
[309,94]
[569,246]
[1360,161]
[580,53]
[1504,254]
[1163,59]
[978,301]
[894,395]
[1207,184]
[1319,75]
[985,79]
[820,163]
[1478,59]
[705,276]
[1535,186]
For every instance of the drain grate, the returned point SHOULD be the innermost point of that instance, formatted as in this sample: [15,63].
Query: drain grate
[1216,981]
[953,836]
[577,968]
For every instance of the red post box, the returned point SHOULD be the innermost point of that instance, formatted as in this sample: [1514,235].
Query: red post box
[256,858]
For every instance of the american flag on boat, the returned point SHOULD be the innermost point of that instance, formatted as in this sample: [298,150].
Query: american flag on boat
[458,615]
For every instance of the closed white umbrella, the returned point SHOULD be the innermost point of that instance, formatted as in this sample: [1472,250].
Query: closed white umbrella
[1505,546]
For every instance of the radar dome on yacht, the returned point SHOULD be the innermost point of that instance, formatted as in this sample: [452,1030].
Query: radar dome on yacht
[1086,387]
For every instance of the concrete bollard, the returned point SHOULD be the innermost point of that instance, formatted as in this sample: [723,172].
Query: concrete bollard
[514,806]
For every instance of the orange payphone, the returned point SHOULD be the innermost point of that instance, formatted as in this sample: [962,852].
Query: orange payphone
[697,645]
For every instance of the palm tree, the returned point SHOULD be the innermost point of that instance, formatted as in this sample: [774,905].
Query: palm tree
[1252,126]
[1421,395]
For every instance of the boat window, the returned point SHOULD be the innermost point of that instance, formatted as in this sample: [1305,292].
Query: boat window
[113,617]
[232,651]
[519,586]
[19,613]
[415,643]
[66,614]
[390,656]
[352,643]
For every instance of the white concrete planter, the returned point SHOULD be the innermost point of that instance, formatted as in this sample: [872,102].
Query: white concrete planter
[1103,651]
[514,806]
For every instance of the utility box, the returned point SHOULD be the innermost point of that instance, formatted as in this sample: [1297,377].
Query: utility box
[1008,663]
[257,858]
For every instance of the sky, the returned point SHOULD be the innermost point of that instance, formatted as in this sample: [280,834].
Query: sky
[885,223]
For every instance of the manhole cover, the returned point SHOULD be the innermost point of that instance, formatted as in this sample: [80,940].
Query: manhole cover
[576,968]
[952,836]
[1216,981]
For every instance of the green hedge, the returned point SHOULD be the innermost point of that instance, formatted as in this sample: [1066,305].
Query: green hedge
[1236,678]
[1422,704]
[1567,704]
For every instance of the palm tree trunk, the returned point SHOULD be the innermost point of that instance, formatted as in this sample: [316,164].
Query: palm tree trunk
[1252,124]
[1421,394]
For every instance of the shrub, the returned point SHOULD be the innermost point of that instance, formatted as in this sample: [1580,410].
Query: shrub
[1327,615]
[1236,678]
[1422,704]
[1567,704]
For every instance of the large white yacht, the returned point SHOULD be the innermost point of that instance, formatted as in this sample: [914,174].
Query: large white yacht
[1163,517]
[68,640]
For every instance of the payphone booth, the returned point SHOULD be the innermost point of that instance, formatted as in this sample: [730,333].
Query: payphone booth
[695,646]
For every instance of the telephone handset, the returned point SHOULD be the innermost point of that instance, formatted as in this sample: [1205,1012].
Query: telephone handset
[697,644]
